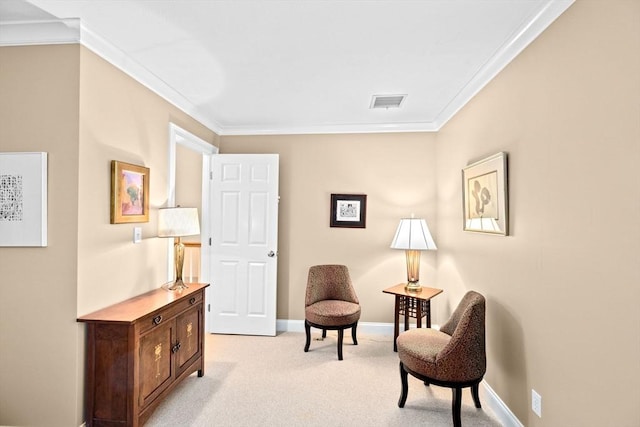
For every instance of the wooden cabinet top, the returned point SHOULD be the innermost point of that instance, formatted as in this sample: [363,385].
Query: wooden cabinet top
[130,310]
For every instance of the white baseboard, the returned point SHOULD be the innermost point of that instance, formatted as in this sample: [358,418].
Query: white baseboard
[501,411]
[373,328]
[490,399]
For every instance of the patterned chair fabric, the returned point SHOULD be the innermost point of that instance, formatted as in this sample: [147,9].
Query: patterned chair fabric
[331,303]
[454,356]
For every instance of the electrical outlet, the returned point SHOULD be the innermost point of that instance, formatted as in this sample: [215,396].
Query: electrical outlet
[536,403]
[137,234]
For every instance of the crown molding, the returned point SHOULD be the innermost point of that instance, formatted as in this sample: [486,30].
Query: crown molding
[70,31]
[129,66]
[331,129]
[503,56]
[66,31]
[25,33]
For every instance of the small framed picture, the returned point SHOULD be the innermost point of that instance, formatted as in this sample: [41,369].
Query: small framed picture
[485,201]
[129,193]
[348,210]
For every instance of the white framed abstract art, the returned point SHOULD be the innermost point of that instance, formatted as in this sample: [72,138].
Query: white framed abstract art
[485,199]
[23,199]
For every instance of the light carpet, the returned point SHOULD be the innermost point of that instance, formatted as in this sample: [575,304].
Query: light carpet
[271,381]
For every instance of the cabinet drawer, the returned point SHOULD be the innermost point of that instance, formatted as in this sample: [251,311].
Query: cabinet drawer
[149,322]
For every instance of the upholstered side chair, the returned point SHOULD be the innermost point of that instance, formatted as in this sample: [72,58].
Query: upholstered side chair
[331,303]
[453,357]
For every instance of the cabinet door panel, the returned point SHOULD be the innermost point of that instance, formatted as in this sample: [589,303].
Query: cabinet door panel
[155,362]
[188,334]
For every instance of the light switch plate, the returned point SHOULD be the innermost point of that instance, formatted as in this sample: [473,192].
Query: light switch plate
[137,234]
[536,403]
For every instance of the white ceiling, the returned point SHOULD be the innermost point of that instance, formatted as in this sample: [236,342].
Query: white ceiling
[306,66]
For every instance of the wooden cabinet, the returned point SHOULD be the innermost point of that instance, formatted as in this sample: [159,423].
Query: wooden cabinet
[138,350]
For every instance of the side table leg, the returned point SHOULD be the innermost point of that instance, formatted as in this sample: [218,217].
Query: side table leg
[407,308]
[428,307]
[419,313]
[396,323]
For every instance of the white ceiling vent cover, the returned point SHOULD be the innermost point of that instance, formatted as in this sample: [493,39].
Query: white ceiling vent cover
[387,101]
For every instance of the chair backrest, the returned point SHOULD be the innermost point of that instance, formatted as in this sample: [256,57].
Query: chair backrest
[466,353]
[329,282]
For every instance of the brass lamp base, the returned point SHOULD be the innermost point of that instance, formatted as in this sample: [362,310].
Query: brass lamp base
[413,287]
[178,285]
[413,271]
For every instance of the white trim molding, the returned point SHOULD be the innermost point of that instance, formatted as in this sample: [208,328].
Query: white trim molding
[503,56]
[72,30]
[64,31]
[500,410]
[180,136]
[53,31]
[284,325]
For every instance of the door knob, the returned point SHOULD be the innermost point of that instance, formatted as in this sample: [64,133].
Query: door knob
[271,254]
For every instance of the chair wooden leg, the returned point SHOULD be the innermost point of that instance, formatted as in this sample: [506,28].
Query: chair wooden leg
[456,406]
[353,334]
[307,329]
[340,339]
[476,395]
[405,386]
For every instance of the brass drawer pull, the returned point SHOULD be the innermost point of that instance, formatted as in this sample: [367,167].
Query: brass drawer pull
[192,300]
[157,320]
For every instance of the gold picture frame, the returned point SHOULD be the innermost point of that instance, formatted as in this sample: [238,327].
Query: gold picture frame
[485,202]
[129,193]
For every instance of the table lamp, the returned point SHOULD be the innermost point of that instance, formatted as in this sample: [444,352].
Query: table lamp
[413,236]
[178,222]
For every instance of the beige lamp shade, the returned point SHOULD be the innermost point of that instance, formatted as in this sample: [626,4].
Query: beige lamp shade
[413,236]
[177,222]
[413,233]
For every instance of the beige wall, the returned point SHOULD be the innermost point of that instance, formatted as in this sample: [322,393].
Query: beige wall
[563,290]
[121,120]
[39,88]
[395,171]
[189,182]
[67,101]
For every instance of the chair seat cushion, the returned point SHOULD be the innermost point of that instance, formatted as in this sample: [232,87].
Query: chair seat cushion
[333,313]
[418,350]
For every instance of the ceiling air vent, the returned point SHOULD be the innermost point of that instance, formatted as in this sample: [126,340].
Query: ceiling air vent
[387,101]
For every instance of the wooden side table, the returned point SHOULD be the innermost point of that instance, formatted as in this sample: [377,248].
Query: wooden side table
[411,304]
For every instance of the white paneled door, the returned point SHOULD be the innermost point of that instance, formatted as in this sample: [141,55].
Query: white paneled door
[244,245]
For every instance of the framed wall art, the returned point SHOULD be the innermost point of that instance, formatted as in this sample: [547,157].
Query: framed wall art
[129,193]
[485,196]
[23,199]
[348,210]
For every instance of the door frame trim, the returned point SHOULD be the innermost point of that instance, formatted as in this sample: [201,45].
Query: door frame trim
[180,136]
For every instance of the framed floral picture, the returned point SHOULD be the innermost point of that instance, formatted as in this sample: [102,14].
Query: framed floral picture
[485,203]
[129,193]
[348,210]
